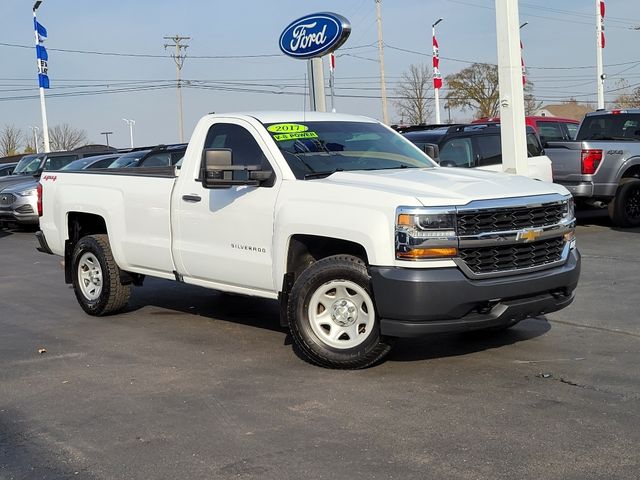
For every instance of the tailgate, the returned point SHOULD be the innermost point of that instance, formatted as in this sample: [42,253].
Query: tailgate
[566,160]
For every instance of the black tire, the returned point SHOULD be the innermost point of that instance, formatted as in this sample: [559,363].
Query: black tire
[112,296]
[338,268]
[624,209]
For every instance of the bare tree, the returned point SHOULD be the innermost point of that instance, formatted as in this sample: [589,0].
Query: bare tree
[10,140]
[413,103]
[531,104]
[628,98]
[65,137]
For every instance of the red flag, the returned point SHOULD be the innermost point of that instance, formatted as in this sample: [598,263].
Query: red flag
[437,77]
[332,62]
[602,9]
[524,70]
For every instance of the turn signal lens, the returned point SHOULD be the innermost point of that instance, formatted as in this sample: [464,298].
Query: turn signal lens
[404,219]
[421,253]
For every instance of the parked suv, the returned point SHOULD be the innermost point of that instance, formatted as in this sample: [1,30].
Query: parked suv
[478,146]
[550,129]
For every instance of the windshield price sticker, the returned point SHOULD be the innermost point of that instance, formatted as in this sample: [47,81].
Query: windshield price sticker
[281,137]
[287,127]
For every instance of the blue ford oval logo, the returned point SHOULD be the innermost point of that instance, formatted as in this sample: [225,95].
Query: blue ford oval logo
[315,35]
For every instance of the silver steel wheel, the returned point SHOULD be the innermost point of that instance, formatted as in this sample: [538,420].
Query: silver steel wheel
[90,276]
[341,314]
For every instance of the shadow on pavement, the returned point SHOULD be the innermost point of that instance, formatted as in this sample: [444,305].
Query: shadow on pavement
[193,300]
[589,217]
[453,345]
[25,455]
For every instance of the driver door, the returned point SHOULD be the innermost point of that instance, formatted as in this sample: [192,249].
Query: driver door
[225,235]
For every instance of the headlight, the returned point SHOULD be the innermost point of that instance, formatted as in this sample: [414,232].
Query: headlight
[425,233]
[569,212]
[28,192]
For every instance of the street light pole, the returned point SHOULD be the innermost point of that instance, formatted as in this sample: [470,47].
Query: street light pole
[131,123]
[106,135]
[43,106]
[383,83]
[35,131]
[436,91]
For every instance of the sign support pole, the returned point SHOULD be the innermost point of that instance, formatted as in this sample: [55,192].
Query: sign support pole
[316,85]
[599,47]
[513,136]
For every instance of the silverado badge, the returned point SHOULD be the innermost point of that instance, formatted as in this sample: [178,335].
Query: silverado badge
[528,235]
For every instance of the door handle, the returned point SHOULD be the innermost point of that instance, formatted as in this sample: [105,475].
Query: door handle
[191,198]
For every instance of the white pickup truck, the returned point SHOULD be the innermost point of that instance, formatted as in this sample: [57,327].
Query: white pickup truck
[358,233]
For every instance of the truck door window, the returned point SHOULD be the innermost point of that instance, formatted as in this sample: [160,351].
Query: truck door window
[246,150]
[56,163]
[489,150]
[550,132]
[572,129]
[534,149]
[458,151]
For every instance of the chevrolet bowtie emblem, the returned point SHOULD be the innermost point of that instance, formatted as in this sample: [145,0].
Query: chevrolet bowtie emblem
[528,235]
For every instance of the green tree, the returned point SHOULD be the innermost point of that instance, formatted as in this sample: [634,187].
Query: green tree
[477,88]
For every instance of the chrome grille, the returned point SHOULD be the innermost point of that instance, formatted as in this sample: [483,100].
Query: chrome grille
[7,198]
[502,258]
[507,219]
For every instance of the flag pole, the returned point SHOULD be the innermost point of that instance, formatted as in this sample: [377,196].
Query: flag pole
[599,48]
[43,106]
[436,71]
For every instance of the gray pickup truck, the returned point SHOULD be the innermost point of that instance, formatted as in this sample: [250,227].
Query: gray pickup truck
[603,165]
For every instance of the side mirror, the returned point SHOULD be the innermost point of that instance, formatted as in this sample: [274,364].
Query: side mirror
[432,150]
[217,170]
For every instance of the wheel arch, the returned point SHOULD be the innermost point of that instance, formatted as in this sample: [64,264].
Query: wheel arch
[304,250]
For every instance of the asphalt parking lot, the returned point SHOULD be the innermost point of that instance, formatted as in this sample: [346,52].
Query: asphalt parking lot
[189,383]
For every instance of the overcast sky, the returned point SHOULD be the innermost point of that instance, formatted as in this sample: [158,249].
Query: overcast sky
[560,37]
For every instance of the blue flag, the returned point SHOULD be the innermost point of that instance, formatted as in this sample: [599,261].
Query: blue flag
[42,32]
[43,80]
[41,53]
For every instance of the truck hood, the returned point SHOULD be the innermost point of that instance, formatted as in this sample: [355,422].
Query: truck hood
[446,186]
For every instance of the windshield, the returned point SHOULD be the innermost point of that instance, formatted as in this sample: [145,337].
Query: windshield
[128,159]
[623,126]
[316,149]
[77,164]
[28,164]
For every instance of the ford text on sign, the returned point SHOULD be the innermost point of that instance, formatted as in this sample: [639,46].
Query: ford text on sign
[315,35]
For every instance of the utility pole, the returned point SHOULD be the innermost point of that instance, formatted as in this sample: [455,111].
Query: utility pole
[131,123]
[599,48]
[383,83]
[513,137]
[178,57]
[106,135]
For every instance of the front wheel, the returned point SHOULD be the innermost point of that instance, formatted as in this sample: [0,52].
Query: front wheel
[624,209]
[332,315]
[96,277]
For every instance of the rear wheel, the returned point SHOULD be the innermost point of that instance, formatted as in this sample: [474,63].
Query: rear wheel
[96,277]
[332,315]
[624,209]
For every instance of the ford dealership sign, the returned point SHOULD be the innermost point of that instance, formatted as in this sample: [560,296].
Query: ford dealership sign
[315,35]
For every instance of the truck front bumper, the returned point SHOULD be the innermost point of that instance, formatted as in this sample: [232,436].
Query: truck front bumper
[413,302]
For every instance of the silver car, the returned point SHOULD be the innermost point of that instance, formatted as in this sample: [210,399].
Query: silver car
[19,203]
